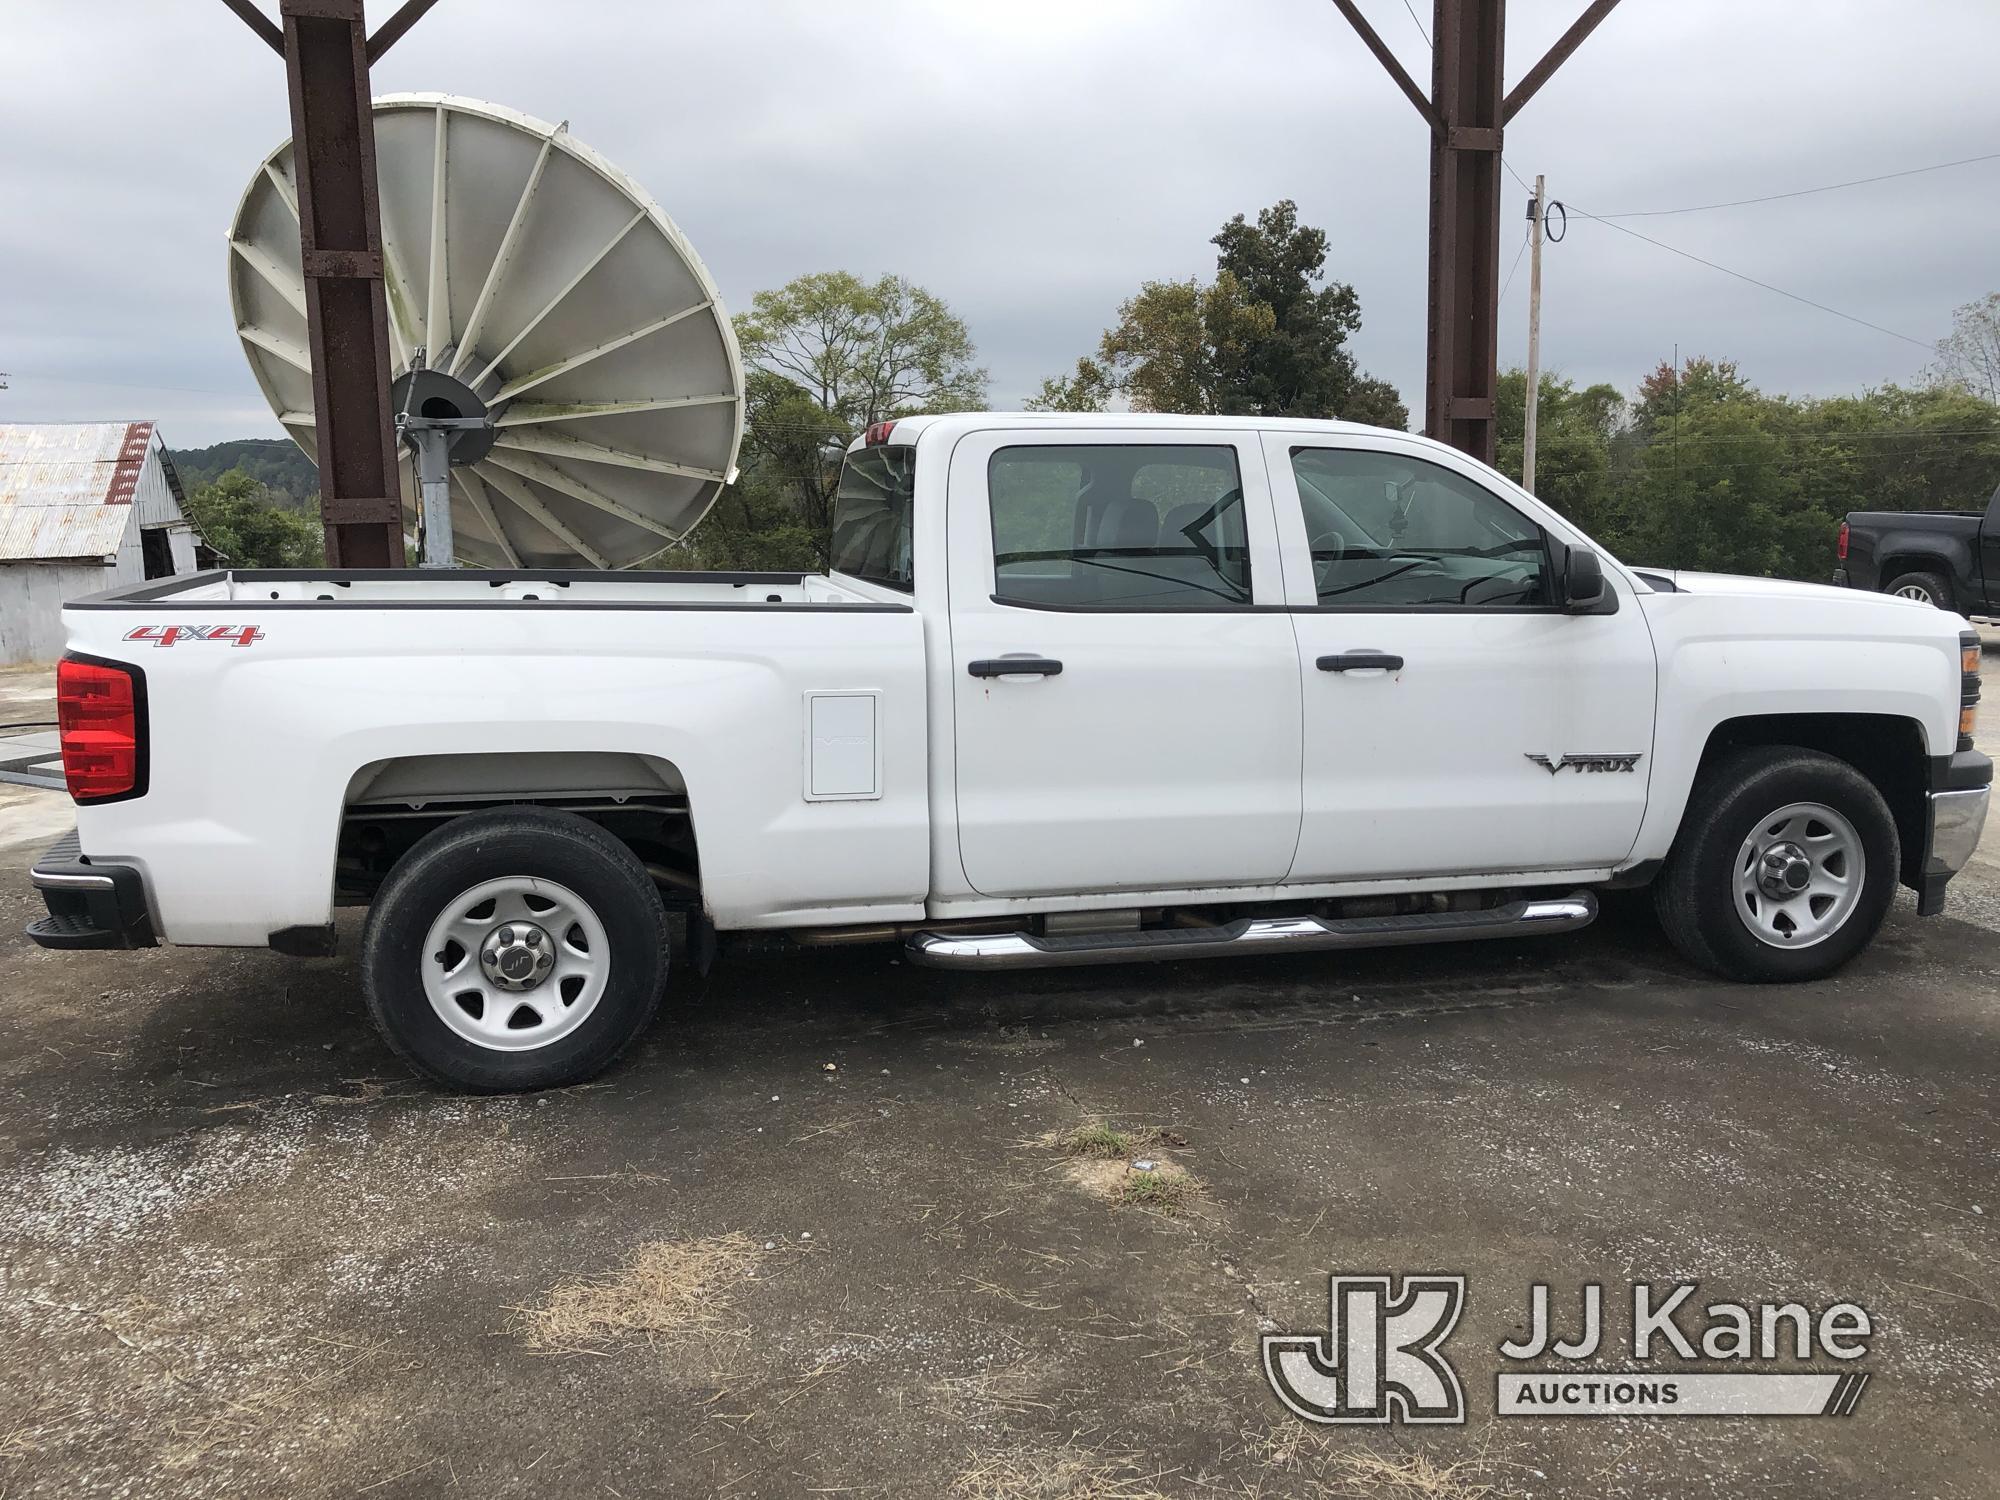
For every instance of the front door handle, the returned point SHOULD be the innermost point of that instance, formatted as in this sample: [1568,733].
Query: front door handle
[1015,666]
[1361,661]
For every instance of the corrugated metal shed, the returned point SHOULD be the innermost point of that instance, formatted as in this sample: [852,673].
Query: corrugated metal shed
[67,489]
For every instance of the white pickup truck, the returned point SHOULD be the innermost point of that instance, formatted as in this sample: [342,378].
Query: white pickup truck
[1077,689]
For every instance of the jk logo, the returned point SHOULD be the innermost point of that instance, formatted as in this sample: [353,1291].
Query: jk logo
[1379,1360]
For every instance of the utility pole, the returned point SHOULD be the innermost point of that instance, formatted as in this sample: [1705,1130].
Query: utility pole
[327,54]
[1536,207]
[1467,112]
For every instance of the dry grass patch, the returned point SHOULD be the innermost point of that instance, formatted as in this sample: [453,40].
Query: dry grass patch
[1065,1473]
[1103,1161]
[1299,1463]
[1098,1140]
[669,1288]
[1168,1188]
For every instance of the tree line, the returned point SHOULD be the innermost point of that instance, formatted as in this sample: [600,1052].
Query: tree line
[1694,467]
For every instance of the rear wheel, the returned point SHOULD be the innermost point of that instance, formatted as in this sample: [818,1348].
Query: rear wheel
[1784,869]
[1934,588]
[517,949]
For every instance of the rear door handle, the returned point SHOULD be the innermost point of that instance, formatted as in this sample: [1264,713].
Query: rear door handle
[1361,661]
[1015,666]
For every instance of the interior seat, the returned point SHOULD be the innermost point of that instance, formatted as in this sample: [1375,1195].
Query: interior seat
[1131,523]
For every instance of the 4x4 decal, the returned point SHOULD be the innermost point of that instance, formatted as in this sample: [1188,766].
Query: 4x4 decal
[166,635]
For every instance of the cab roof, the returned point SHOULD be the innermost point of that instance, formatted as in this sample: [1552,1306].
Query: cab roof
[907,430]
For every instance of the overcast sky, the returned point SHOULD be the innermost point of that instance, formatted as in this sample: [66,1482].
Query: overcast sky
[1032,161]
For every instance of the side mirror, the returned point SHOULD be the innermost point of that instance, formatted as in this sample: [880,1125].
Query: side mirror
[1584,590]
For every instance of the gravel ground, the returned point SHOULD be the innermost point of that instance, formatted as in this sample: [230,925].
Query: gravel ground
[811,1238]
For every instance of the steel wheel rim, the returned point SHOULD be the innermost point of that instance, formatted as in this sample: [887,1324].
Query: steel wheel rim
[469,971]
[1799,875]
[1915,591]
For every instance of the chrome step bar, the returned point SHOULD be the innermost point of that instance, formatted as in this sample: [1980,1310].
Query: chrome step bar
[1024,950]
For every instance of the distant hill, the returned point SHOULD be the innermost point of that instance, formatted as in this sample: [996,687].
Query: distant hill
[276,462]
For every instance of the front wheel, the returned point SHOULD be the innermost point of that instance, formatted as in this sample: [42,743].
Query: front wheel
[1784,869]
[522,948]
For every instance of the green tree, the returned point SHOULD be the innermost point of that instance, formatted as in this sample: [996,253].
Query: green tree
[1725,511]
[864,351]
[1176,342]
[754,529]
[1897,448]
[1087,388]
[1265,338]
[239,518]
[1573,434]
[827,354]
[1299,365]
[277,463]
[1664,391]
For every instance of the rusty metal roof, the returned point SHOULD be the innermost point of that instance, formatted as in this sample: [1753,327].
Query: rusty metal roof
[66,488]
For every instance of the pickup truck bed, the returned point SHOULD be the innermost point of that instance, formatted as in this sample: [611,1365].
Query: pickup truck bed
[469,588]
[466,688]
[1947,558]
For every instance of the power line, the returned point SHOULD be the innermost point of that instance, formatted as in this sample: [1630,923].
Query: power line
[1831,187]
[1418,24]
[1740,276]
[1526,236]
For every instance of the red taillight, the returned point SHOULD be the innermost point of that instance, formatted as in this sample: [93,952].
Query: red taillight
[98,709]
[877,434]
[1843,541]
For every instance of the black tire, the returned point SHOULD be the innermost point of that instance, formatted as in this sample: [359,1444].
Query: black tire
[1936,587]
[1695,895]
[509,842]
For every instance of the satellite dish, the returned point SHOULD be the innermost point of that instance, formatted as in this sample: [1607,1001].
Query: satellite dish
[532,282]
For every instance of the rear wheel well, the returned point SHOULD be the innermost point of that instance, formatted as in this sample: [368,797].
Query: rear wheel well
[1888,750]
[1896,565]
[639,800]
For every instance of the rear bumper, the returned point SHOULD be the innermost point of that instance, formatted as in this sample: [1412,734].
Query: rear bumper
[1955,816]
[91,904]
[1840,579]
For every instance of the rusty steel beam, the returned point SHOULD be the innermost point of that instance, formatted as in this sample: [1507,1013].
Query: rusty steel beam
[1467,111]
[1461,375]
[1387,59]
[1555,57]
[340,250]
[253,16]
[391,31]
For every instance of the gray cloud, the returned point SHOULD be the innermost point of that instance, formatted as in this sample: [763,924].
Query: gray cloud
[1033,161]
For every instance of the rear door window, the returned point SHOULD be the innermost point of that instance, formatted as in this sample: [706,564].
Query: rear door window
[1119,526]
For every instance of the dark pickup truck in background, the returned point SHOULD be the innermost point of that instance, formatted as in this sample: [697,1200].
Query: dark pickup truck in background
[1950,557]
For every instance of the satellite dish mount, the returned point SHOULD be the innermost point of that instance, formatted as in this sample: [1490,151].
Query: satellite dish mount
[444,422]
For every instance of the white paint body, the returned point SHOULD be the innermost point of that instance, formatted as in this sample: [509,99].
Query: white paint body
[843,768]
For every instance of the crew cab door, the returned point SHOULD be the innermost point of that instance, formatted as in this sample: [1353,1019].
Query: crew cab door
[1147,734]
[1456,721]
